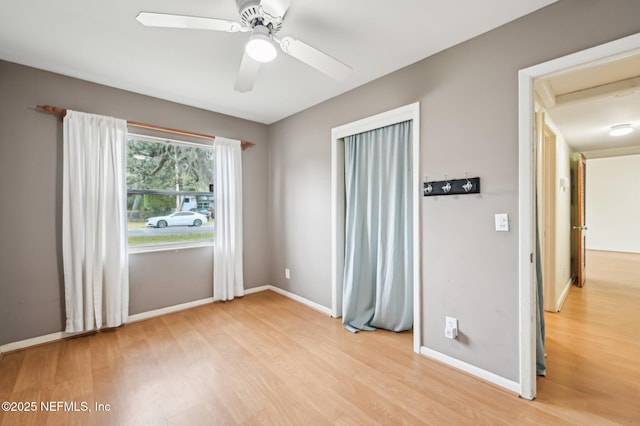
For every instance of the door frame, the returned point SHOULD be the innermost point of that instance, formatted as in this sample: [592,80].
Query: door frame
[581,170]
[624,47]
[397,115]
[547,213]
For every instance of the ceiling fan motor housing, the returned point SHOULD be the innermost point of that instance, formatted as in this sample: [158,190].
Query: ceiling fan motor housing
[252,15]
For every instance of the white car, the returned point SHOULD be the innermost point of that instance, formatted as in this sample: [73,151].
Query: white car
[177,219]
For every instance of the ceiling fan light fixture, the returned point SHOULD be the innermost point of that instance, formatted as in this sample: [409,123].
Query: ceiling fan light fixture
[263,18]
[261,48]
[620,130]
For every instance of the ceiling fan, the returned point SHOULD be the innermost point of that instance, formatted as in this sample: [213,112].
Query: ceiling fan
[262,18]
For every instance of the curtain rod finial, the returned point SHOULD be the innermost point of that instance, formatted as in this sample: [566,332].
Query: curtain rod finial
[53,110]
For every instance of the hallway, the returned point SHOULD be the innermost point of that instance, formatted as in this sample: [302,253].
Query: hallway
[593,344]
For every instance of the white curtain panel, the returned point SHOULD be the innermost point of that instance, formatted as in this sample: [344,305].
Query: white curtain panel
[227,250]
[94,225]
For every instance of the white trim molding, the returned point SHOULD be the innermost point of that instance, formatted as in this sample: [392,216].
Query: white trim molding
[411,113]
[313,305]
[602,54]
[248,291]
[471,369]
[564,294]
[168,310]
[35,341]
[22,344]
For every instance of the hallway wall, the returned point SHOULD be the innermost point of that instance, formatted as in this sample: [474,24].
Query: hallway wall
[613,204]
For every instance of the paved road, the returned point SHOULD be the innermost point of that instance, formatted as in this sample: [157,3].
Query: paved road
[170,230]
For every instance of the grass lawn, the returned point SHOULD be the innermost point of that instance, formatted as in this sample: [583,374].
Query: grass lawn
[140,240]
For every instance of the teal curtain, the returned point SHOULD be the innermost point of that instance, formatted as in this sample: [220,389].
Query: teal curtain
[378,272]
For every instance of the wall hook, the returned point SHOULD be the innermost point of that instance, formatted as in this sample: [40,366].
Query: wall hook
[428,189]
[468,185]
[447,187]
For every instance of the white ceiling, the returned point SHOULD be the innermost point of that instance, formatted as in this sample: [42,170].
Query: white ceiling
[585,103]
[102,42]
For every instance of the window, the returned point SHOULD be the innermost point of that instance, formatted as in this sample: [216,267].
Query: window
[170,197]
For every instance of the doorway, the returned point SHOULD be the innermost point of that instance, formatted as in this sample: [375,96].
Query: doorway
[406,113]
[609,52]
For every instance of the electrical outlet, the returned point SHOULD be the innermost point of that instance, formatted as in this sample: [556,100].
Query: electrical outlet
[450,327]
[287,273]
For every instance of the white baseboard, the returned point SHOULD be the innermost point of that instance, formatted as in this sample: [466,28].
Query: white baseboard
[472,369]
[248,291]
[188,305]
[313,305]
[613,250]
[168,310]
[34,341]
[564,294]
[22,344]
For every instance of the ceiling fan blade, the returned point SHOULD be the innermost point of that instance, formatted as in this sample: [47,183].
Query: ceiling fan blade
[247,74]
[276,8]
[315,58]
[152,19]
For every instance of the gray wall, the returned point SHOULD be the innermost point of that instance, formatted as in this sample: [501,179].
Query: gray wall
[31,286]
[469,101]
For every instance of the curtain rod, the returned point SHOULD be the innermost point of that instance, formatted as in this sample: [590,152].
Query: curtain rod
[61,112]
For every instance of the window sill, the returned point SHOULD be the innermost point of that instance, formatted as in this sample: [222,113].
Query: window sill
[168,247]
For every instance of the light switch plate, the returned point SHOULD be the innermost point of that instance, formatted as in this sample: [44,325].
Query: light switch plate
[502,222]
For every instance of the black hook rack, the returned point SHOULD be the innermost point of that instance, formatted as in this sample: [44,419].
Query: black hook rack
[451,187]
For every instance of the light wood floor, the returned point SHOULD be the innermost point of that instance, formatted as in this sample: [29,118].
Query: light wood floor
[265,359]
[593,345]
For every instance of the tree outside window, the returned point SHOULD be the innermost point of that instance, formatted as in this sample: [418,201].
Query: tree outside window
[163,178]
